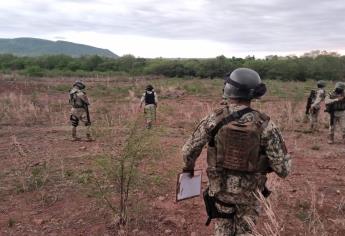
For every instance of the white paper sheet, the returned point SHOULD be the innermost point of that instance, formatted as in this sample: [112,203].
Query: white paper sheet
[188,187]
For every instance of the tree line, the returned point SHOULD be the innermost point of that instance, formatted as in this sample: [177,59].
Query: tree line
[325,67]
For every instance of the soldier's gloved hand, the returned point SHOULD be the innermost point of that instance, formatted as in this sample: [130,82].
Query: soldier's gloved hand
[88,123]
[188,170]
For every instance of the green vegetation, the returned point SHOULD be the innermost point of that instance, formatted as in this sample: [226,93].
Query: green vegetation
[320,66]
[11,223]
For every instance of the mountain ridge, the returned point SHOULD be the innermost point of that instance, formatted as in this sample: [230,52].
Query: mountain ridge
[26,46]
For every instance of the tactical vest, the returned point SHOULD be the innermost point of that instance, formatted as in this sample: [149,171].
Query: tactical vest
[149,98]
[238,145]
[75,100]
[339,105]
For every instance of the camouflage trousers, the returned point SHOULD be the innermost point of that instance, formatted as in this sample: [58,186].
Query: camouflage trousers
[150,113]
[240,224]
[313,118]
[79,115]
[338,123]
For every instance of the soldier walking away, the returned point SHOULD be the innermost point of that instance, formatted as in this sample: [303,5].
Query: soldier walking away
[80,110]
[150,99]
[314,104]
[335,106]
[243,146]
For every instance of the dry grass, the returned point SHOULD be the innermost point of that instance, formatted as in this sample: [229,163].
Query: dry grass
[110,115]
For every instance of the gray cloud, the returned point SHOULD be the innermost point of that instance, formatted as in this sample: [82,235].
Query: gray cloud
[263,25]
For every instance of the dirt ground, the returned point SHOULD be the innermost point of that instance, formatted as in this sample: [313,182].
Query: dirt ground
[48,183]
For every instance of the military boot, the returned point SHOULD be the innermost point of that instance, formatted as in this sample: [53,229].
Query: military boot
[89,138]
[305,119]
[330,139]
[74,134]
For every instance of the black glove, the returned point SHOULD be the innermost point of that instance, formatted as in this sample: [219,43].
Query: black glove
[190,171]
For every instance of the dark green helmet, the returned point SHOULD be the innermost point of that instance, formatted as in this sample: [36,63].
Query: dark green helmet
[244,83]
[79,84]
[340,85]
[321,84]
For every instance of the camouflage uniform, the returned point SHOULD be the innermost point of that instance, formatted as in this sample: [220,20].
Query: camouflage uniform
[339,116]
[234,187]
[315,108]
[78,112]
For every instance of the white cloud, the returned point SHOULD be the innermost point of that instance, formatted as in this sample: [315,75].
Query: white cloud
[198,28]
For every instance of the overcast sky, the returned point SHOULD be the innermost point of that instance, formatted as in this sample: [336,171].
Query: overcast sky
[182,28]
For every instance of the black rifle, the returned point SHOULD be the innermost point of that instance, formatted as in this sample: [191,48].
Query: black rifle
[311,97]
[330,109]
[86,107]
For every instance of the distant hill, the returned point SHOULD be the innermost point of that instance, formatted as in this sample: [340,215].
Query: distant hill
[40,47]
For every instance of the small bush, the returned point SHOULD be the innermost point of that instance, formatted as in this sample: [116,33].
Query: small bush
[34,71]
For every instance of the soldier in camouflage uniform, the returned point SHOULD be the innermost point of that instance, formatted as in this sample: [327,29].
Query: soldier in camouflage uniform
[319,97]
[80,110]
[335,105]
[237,162]
[150,99]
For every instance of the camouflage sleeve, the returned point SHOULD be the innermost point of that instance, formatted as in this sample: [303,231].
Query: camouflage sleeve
[142,98]
[276,151]
[329,100]
[195,143]
[320,96]
[156,98]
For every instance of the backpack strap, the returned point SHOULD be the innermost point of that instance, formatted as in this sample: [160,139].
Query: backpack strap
[233,116]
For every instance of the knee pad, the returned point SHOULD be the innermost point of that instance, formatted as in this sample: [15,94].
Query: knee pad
[74,120]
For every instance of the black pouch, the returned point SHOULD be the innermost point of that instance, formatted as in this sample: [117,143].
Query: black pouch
[211,209]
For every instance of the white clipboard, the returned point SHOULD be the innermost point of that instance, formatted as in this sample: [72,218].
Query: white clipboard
[188,187]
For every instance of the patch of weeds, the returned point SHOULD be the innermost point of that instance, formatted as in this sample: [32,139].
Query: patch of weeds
[48,200]
[139,220]
[69,173]
[18,188]
[195,88]
[157,180]
[307,131]
[171,173]
[315,147]
[85,177]
[102,90]
[61,88]
[303,210]
[34,98]
[303,215]
[11,223]
[37,178]
[99,132]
